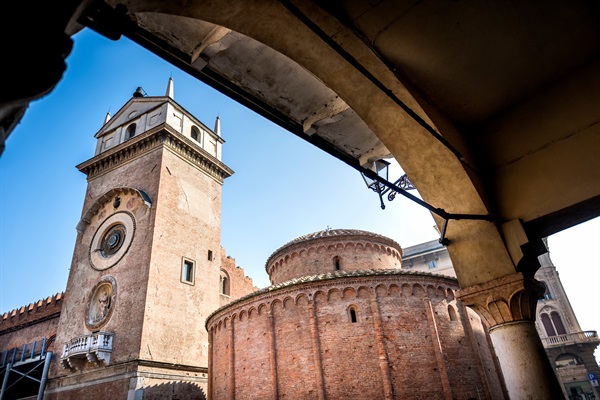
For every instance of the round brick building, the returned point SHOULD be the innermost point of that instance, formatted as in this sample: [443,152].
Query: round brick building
[342,320]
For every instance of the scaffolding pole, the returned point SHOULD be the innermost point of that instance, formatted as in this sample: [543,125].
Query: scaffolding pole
[44,379]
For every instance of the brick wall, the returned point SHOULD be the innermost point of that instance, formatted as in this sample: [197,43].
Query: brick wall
[397,347]
[347,250]
[239,284]
[30,323]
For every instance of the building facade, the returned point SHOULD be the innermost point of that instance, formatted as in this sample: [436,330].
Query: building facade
[569,348]
[343,320]
[147,266]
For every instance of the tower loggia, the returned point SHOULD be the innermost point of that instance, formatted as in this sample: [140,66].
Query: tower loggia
[146,262]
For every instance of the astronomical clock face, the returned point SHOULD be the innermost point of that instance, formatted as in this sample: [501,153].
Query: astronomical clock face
[112,240]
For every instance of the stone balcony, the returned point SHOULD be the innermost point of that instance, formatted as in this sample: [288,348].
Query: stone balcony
[571,338]
[94,348]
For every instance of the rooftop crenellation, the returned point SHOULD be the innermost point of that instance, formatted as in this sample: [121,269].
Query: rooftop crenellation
[32,312]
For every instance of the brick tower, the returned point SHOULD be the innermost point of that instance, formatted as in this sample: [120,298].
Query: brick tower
[146,263]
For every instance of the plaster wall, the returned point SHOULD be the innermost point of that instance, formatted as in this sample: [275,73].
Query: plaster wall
[187,227]
[130,273]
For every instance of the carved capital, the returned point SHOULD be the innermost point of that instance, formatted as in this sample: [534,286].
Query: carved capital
[508,299]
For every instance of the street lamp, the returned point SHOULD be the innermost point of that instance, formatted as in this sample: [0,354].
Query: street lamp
[381,169]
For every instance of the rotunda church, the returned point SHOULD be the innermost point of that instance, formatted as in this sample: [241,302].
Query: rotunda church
[342,320]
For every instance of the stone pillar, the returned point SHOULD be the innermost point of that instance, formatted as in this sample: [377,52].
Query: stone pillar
[507,305]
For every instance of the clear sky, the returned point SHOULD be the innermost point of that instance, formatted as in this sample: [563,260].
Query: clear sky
[282,188]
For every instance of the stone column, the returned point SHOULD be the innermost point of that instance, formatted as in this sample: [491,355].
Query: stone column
[507,305]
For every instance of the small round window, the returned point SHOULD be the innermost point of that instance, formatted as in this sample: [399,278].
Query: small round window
[113,240]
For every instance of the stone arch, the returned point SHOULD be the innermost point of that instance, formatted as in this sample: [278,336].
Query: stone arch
[567,359]
[262,308]
[337,263]
[360,246]
[381,290]
[252,311]
[243,315]
[334,292]
[195,133]
[450,295]
[363,292]
[452,313]
[349,292]
[353,313]
[301,297]
[418,290]
[105,198]
[320,296]
[431,291]
[275,303]
[288,301]
[224,283]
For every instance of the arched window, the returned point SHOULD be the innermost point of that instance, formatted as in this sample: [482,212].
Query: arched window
[195,133]
[224,283]
[337,264]
[566,359]
[131,131]
[353,314]
[558,324]
[548,325]
[452,313]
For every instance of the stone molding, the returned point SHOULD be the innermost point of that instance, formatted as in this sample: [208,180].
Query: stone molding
[105,198]
[512,298]
[160,136]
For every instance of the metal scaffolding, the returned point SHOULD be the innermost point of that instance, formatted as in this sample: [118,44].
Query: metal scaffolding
[30,362]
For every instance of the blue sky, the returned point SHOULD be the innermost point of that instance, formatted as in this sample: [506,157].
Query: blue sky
[282,188]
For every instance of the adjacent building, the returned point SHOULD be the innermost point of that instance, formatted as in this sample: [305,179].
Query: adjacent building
[569,348]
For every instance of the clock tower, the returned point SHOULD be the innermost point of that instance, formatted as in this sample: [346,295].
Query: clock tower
[146,263]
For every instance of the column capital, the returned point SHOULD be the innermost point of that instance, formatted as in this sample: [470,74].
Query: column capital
[511,298]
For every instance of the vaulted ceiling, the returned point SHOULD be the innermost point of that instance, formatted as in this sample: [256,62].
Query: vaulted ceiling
[491,108]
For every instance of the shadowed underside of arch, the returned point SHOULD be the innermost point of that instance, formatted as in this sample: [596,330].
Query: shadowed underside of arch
[491,108]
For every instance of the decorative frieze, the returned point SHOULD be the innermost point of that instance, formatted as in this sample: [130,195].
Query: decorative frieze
[161,136]
[508,299]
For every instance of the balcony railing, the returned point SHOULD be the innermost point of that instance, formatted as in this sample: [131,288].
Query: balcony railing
[95,348]
[571,338]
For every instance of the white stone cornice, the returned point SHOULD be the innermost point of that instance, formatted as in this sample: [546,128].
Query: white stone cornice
[160,137]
